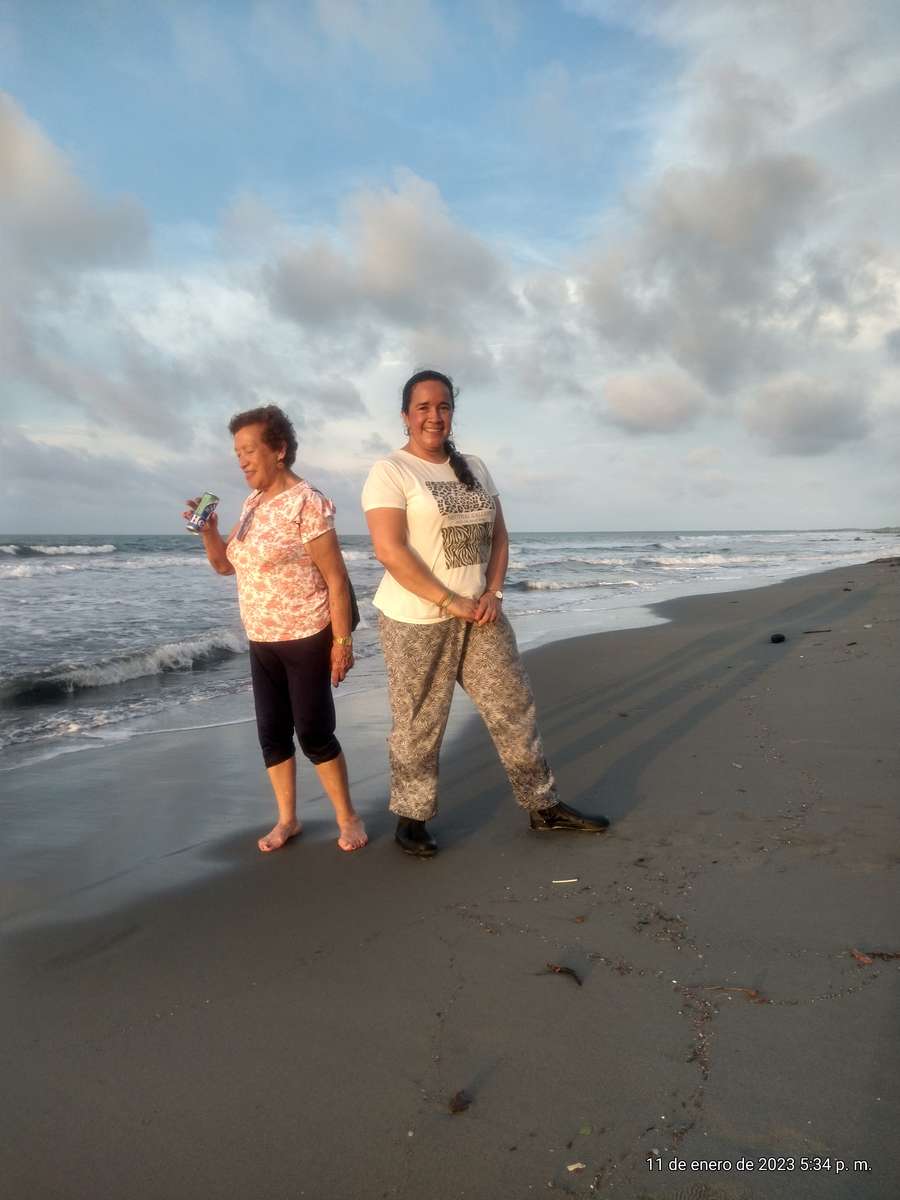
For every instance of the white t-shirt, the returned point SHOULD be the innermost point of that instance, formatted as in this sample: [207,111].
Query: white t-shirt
[450,528]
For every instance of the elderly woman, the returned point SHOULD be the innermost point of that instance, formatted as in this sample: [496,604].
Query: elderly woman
[294,597]
[438,529]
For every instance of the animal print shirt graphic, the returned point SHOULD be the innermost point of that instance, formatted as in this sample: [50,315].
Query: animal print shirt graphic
[281,591]
[466,542]
[449,526]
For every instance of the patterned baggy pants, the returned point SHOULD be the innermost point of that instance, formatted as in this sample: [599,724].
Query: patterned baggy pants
[424,662]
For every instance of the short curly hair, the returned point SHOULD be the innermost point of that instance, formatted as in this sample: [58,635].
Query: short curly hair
[277,429]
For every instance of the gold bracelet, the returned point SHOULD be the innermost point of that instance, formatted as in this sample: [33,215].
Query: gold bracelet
[343,641]
[446,599]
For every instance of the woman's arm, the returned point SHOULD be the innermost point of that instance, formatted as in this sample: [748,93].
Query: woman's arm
[326,554]
[488,608]
[213,542]
[389,539]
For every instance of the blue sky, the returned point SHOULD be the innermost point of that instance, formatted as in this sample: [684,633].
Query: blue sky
[655,243]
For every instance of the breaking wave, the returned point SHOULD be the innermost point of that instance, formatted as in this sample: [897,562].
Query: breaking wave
[170,656]
[558,585]
[21,550]
[31,570]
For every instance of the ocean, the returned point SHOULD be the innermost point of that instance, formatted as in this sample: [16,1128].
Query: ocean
[107,637]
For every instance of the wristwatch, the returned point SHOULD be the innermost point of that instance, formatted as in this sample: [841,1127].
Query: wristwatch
[498,594]
[343,641]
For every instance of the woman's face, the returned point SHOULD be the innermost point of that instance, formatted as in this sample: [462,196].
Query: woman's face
[259,462]
[430,419]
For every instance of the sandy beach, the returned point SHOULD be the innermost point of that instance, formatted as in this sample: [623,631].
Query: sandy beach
[183,1017]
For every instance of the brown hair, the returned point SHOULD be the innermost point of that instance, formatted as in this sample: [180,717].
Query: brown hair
[277,429]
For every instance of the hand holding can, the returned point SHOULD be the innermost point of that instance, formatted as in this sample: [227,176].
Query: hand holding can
[203,509]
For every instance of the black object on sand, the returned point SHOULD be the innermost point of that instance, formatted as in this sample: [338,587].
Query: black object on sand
[777,637]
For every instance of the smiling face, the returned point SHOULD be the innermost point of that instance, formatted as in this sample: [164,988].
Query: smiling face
[260,463]
[429,420]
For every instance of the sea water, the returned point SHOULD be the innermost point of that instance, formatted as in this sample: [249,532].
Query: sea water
[107,636]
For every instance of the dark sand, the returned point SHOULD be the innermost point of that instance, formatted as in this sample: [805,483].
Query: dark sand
[184,1018]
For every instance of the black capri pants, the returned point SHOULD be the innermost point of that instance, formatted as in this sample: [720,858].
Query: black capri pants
[292,690]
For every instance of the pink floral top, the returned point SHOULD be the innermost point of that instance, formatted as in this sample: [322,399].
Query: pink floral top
[281,591]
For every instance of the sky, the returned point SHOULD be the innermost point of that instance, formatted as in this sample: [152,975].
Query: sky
[655,244]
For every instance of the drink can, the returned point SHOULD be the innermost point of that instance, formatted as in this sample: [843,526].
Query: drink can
[206,506]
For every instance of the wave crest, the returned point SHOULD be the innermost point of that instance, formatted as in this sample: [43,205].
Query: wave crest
[557,585]
[158,660]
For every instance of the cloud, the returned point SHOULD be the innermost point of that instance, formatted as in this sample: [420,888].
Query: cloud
[88,324]
[703,271]
[375,446]
[398,38]
[48,219]
[402,259]
[653,402]
[806,415]
[400,34]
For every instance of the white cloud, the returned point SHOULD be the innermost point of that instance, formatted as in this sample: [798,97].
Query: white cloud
[653,402]
[48,219]
[806,415]
[400,258]
[400,38]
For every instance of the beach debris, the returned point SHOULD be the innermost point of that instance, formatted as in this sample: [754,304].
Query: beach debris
[563,880]
[846,589]
[817,631]
[586,1129]
[865,958]
[777,637]
[852,643]
[867,626]
[579,920]
[577,1168]
[740,766]
[556,969]
[459,1101]
[623,714]
[754,996]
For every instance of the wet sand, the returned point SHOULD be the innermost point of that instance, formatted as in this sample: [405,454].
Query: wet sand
[183,1017]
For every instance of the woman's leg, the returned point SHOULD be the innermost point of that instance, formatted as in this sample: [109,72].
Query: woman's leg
[333,778]
[308,666]
[492,673]
[275,727]
[421,664]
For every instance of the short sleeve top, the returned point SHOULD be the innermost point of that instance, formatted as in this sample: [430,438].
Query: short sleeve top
[282,593]
[450,527]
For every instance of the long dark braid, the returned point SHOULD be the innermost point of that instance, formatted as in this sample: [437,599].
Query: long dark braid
[461,468]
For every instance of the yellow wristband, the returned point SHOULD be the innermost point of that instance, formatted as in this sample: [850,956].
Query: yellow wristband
[343,641]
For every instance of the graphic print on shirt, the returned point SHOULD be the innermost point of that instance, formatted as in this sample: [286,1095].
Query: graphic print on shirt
[465,533]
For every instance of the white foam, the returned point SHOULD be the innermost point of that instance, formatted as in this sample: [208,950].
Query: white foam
[172,656]
[104,549]
[30,570]
[555,585]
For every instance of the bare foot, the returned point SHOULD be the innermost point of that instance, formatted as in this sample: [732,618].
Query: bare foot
[353,834]
[276,837]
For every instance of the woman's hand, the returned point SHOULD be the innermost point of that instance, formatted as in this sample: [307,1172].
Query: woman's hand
[487,610]
[463,608]
[212,521]
[342,662]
